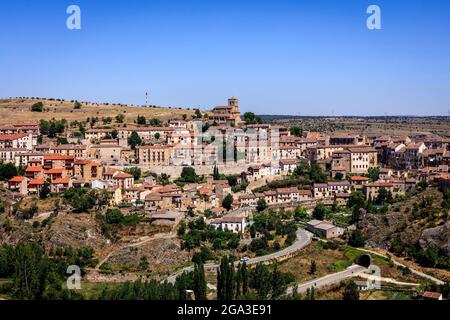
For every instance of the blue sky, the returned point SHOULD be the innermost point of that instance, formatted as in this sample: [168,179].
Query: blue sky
[312,57]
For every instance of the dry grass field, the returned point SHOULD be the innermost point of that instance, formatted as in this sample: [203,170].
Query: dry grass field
[19,110]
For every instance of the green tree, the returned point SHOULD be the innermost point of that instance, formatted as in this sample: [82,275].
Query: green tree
[351,291]
[76,105]
[135,172]
[157,136]
[141,120]
[114,134]
[7,171]
[313,267]
[30,271]
[228,202]
[300,213]
[181,229]
[197,114]
[225,279]
[188,175]
[319,212]
[120,118]
[316,174]
[339,176]
[261,281]
[45,191]
[356,239]
[261,205]
[374,174]
[296,131]
[37,107]
[134,140]
[155,122]
[384,196]
[199,282]
[114,216]
[216,173]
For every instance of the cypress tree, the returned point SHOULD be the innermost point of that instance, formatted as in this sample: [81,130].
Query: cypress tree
[199,282]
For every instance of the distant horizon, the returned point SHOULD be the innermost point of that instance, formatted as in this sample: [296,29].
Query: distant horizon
[205,109]
[296,57]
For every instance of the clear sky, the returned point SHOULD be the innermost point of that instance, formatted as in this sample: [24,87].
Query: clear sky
[313,57]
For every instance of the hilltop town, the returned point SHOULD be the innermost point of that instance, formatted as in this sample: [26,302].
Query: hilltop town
[149,192]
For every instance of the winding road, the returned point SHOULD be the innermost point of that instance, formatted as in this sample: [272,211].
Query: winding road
[303,239]
[329,279]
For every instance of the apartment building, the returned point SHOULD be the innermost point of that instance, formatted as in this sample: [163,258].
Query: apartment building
[16,141]
[160,155]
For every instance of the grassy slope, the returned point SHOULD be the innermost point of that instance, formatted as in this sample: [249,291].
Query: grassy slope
[17,110]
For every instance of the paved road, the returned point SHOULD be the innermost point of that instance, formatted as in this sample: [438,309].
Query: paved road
[388,280]
[303,239]
[327,280]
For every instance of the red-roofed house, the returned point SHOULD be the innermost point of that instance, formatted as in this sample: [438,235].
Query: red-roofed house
[123,180]
[18,184]
[357,182]
[34,172]
[61,184]
[35,186]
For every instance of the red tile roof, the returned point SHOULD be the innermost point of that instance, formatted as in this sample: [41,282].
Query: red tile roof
[10,137]
[61,181]
[34,169]
[58,157]
[35,182]
[122,175]
[54,171]
[17,179]
[359,178]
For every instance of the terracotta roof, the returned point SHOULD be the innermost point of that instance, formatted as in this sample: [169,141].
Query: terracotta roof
[305,192]
[53,171]
[110,171]
[61,181]
[58,157]
[169,188]
[359,178]
[122,175]
[11,137]
[17,179]
[34,169]
[228,220]
[36,182]
[287,190]
[153,197]
[205,191]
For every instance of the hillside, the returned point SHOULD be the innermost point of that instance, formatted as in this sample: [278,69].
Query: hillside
[19,110]
[417,229]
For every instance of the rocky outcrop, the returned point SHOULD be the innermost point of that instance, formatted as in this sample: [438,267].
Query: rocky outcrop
[437,237]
